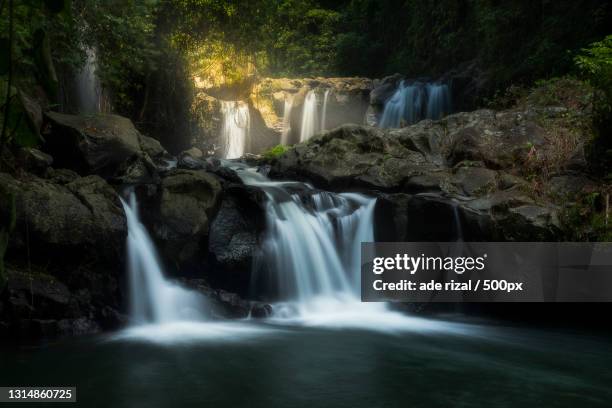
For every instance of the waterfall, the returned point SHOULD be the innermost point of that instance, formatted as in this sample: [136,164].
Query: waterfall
[309,116]
[457,222]
[414,102]
[287,120]
[235,129]
[312,246]
[153,298]
[438,101]
[90,96]
[324,115]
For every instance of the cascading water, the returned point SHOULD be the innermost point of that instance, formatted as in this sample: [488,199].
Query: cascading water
[438,101]
[287,120]
[324,114]
[311,252]
[90,95]
[153,298]
[235,129]
[414,102]
[309,116]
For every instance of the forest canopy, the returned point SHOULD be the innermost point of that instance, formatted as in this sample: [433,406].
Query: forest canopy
[158,46]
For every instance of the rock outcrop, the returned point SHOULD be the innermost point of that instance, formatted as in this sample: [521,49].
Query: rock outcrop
[348,101]
[475,164]
[98,144]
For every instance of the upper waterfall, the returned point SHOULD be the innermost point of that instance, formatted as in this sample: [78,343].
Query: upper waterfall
[90,97]
[286,119]
[309,116]
[324,113]
[416,101]
[235,129]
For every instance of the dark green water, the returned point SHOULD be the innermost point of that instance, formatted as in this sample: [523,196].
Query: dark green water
[290,366]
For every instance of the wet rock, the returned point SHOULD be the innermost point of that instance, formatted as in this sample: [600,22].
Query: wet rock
[81,219]
[223,304]
[77,327]
[33,160]
[186,201]
[261,311]
[233,240]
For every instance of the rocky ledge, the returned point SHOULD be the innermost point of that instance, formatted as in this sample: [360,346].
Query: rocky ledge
[484,175]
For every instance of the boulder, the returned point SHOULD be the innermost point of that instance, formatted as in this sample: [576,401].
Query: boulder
[81,219]
[65,254]
[33,160]
[234,237]
[185,203]
[99,144]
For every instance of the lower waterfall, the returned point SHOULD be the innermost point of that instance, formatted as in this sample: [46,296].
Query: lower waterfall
[311,253]
[153,298]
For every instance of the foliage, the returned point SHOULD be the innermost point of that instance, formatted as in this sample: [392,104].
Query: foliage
[122,33]
[595,63]
[512,41]
[586,218]
[26,32]
[275,152]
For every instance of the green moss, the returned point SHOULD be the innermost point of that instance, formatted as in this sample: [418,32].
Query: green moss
[275,152]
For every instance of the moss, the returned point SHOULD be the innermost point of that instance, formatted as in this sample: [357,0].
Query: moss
[275,152]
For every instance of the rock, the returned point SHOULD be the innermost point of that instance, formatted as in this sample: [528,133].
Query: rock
[33,110]
[190,163]
[223,304]
[187,200]
[41,296]
[91,144]
[78,327]
[61,176]
[151,147]
[82,219]
[33,160]
[233,237]
[568,185]
[261,311]
[193,152]
[137,170]
[475,181]
[106,145]
[385,89]
[351,156]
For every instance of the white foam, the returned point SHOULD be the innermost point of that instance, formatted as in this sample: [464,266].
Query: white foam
[195,332]
[339,314]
